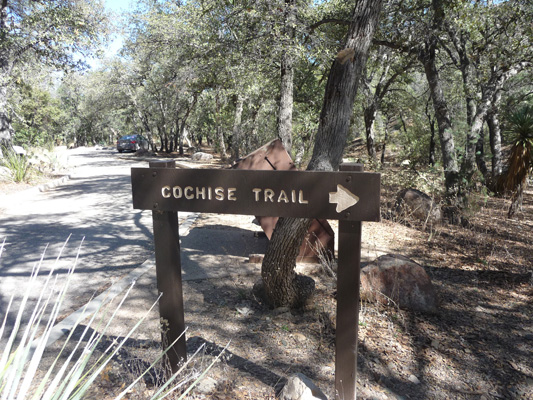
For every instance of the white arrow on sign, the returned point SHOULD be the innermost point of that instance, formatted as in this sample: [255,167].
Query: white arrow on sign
[343,198]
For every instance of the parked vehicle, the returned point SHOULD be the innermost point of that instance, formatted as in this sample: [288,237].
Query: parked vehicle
[132,143]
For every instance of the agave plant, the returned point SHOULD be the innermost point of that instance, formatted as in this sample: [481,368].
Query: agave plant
[73,372]
[17,165]
[519,130]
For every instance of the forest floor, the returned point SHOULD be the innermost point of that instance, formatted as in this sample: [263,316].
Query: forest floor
[478,346]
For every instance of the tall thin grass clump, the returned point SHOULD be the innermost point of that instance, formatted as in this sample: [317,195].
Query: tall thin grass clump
[18,165]
[73,372]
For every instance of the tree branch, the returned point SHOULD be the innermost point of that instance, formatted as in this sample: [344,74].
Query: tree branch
[337,21]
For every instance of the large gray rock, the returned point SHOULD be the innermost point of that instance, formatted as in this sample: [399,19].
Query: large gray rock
[201,156]
[398,280]
[5,174]
[300,387]
[19,150]
[414,203]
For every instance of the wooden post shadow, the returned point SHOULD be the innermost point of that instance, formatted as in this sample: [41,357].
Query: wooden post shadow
[350,195]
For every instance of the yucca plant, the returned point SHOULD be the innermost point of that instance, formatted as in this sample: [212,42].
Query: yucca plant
[519,130]
[18,165]
[73,372]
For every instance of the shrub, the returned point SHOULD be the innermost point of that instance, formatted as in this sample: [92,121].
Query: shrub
[72,373]
[18,165]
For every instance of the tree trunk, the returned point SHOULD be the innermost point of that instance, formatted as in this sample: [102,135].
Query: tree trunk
[287,77]
[431,121]
[370,113]
[286,100]
[432,145]
[468,166]
[480,156]
[282,285]
[181,130]
[495,137]
[236,139]
[251,139]
[428,57]
[220,134]
[6,131]
[385,140]
[516,199]
[444,125]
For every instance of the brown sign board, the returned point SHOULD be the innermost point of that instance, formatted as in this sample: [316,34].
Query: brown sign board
[350,196]
[347,196]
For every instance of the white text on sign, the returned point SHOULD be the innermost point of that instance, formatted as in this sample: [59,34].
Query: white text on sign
[221,194]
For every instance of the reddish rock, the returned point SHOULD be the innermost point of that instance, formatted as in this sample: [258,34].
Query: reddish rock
[397,280]
[320,237]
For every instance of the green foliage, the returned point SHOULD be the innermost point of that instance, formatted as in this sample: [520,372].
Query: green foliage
[184,63]
[519,126]
[428,179]
[51,32]
[40,117]
[18,165]
[519,132]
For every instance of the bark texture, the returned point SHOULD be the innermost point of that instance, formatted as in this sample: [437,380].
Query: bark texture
[428,57]
[370,117]
[6,131]
[286,100]
[236,139]
[495,137]
[444,124]
[219,134]
[281,284]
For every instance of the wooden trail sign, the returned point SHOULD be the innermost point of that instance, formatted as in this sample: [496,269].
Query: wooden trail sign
[307,194]
[350,196]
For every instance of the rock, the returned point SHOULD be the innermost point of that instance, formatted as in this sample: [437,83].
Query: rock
[300,387]
[5,173]
[299,337]
[280,310]
[413,379]
[201,156]
[245,311]
[143,153]
[397,278]
[206,385]
[19,150]
[416,204]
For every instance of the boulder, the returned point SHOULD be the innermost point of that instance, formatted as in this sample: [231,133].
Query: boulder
[143,153]
[414,203]
[300,387]
[398,280]
[202,156]
[5,174]
[19,150]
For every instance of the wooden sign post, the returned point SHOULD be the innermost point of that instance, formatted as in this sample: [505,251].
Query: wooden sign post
[350,196]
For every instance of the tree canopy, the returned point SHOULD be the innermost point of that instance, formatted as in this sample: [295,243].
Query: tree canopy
[236,74]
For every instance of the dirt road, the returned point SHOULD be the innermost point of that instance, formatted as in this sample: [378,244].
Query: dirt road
[94,206]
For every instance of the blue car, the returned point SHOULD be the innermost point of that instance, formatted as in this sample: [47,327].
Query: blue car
[132,143]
